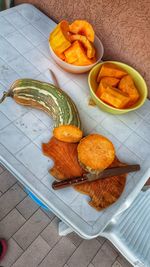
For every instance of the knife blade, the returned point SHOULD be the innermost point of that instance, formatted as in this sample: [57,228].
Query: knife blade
[54,79]
[88,177]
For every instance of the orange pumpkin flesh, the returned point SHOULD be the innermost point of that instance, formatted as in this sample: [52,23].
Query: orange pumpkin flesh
[84,28]
[111,81]
[68,133]
[127,86]
[111,70]
[76,55]
[59,38]
[112,96]
[95,152]
[86,43]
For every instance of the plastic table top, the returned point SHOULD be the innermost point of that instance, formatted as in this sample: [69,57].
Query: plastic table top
[24,52]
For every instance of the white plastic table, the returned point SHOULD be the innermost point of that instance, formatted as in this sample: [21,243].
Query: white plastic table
[24,53]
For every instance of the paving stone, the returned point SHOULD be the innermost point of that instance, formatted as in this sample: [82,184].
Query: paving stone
[101,239]
[50,233]
[59,254]
[123,261]
[34,254]
[6,181]
[116,264]
[1,169]
[10,199]
[75,239]
[11,223]
[49,213]
[105,257]
[84,253]
[13,253]
[21,185]
[31,229]
[90,265]
[27,207]
[111,244]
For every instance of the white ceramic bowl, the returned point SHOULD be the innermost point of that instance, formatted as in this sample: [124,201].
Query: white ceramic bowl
[80,69]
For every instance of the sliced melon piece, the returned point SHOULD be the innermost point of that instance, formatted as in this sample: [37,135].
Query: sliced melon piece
[76,55]
[111,81]
[111,70]
[68,133]
[112,96]
[59,38]
[95,152]
[84,28]
[127,86]
[90,50]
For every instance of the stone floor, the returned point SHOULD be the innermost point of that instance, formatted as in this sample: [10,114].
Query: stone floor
[33,239]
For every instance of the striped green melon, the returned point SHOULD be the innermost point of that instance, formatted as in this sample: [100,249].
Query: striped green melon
[47,97]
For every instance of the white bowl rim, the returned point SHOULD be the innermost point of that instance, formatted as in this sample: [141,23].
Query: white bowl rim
[81,67]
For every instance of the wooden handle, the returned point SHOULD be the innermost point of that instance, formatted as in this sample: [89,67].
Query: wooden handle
[68,182]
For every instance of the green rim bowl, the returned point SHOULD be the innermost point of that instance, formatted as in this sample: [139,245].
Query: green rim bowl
[138,80]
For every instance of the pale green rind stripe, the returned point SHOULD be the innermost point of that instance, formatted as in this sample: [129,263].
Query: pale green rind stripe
[56,102]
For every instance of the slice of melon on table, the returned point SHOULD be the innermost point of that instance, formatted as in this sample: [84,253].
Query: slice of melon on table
[95,153]
[112,96]
[68,133]
[66,156]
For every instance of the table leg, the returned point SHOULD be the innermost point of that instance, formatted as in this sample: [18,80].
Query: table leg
[64,229]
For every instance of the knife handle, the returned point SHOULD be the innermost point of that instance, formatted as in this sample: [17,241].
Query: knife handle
[68,182]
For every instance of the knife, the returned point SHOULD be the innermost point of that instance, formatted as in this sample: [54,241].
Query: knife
[54,79]
[88,177]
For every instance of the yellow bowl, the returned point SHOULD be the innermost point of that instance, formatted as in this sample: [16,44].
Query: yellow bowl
[138,80]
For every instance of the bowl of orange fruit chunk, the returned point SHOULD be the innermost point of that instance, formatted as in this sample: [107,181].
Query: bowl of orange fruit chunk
[116,87]
[74,47]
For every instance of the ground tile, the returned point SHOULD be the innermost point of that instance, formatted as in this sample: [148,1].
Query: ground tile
[27,207]
[34,254]
[13,253]
[106,256]
[116,264]
[84,253]
[10,199]
[123,261]
[6,181]
[75,239]
[11,223]
[59,254]
[50,233]
[31,229]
